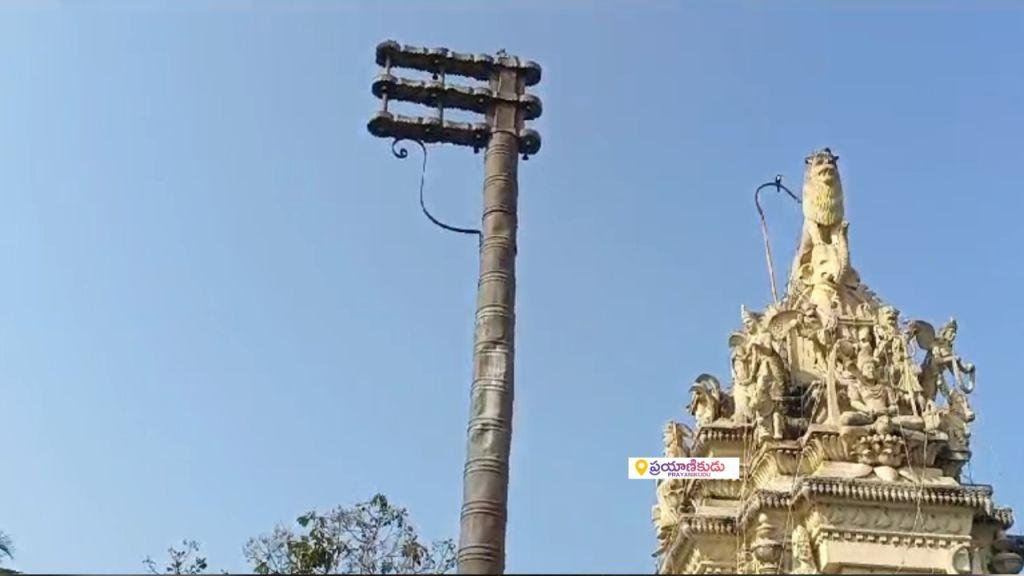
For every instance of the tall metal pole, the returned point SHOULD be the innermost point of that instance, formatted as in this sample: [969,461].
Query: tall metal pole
[506,107]
[485,481]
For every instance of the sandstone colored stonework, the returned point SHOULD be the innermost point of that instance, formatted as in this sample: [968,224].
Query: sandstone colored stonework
[852,426]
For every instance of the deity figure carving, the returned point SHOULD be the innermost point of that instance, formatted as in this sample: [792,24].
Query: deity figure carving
[893,353]
[669,490]
[940,359]
[769,421]
[873,401]
[865,345]
[742,373]
[869,398]
[759,375]
[874,429]
[767,362]
[707,400]
[803,552]
[806,323]
[954,420]
[674,439]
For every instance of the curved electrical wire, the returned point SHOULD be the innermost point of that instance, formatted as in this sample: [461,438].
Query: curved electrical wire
[777,183]
[402,152]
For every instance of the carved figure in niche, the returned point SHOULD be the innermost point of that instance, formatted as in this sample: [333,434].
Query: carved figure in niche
[872,400]
[954,420]
[674,439]
[893,353]
[768,418]
[742,371]
[756,365]
[868,398]
[707,401]
[803,552]
[873,431]
[759,374]
[669,490]
[939,359]
[766,361]
[865,345]
[807,324]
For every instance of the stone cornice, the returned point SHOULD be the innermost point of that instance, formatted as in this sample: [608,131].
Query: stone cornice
[715,488]
[894,539]
[783,459]
[720,432]
[977,497]
[684,552]
[719,525]
[971,495]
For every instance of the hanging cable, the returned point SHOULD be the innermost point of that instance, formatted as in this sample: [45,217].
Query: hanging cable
[402,152]
[787,542]
[918,476]
[764,226]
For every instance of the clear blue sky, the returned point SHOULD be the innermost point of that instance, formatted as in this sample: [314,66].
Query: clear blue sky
[220,305]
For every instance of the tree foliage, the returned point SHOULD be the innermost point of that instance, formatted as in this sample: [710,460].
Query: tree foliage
[372,537]
[184,561]
[6,551]
[6,546]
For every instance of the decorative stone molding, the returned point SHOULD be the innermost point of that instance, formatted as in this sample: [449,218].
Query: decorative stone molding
[892,539]
[702,548]
[893,519]
[717,489]
[718,525]
[774,460]
[1003,516]
[972,496]
[698,563]
[721,434]
[975,497]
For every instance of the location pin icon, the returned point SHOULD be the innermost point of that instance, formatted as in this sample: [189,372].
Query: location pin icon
[641,466]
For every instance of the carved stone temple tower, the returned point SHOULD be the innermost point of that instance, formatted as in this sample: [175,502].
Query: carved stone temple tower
[852,426]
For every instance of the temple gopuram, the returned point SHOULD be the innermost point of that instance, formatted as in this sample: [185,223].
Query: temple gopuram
[852,425]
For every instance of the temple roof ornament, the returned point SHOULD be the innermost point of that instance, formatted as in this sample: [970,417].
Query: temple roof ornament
[852,425]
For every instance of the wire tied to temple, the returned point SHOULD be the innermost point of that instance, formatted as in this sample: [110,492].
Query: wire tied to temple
[777,183]
[402,152]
